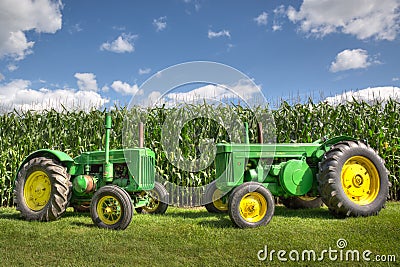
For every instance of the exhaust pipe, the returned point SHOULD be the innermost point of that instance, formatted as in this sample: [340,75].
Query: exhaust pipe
[141,135]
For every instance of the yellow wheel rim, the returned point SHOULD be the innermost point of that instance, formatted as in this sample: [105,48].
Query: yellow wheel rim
[109,210]
[360,180]
[253,207]
[217,200]
[37,190]
[153,201]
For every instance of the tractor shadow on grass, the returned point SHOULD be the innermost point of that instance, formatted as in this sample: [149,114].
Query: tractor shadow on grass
[203,217]
[9,216]
[222,220]
[78,215]
[315,213]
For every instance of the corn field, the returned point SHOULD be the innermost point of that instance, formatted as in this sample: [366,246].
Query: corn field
[76,131]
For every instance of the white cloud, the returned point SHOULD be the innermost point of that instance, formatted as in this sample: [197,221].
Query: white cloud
[144,71]
[276,27]
[2,77]
[86,81]
[369,95]
[351,59]
[18,95]
[153,99]
[160,23]
[243,89]
[262,19]
[18,17]
[361,18]
[125,88]
[395,79]
[105,88]
[279,14]
[123,44]
[12,67]
[75,28]
[221,33]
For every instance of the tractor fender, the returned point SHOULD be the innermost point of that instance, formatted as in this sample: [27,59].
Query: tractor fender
[58,155]
[334,140]
[326,145]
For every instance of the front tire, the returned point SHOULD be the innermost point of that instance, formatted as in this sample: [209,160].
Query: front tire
[111,208]
[42,189]
[213,197]
[353,180]
[251,205]
[158,200]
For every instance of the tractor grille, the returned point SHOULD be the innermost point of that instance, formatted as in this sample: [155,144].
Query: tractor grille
[147,172]
[224,168]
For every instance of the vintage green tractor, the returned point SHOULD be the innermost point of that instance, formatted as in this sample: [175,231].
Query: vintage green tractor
[110,183]
[347,175]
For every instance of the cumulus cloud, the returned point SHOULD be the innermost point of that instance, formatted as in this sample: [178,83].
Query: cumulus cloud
[125,88]
[262,19]
[221,33]
[144,71]
[369,95]
[351,59]
[361,18]
[12,67]
[86,81]
[160,23]
[243,89]
[18,17]
[279,14]
[123,44]
[18,95]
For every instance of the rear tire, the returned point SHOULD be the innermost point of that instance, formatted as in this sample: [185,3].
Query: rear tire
[158,200]
[353,180]
[302,202]
[111,208]
[42,189]
[213,199]
[251,205]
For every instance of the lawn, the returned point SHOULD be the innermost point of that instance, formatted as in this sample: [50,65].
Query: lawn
[194,237]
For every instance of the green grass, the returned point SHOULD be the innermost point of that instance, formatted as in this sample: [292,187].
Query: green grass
[193,237]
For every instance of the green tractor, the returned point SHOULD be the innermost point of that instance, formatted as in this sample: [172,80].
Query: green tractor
[345,174]
[109,183]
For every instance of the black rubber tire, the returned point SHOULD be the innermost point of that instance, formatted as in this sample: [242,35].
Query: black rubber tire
[236,197]
[158,201]
[301,203]
[60,189]
[208,198]
[330,180]
[123,200]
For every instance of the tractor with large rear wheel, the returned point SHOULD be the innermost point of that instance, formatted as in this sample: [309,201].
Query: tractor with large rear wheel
[345,174]
[109,183]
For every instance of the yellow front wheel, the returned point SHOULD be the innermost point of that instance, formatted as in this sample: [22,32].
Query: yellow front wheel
[215,199]
[111,208]
[251,205]
[158,200]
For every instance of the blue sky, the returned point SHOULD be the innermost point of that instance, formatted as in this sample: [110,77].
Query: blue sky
[101,51]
